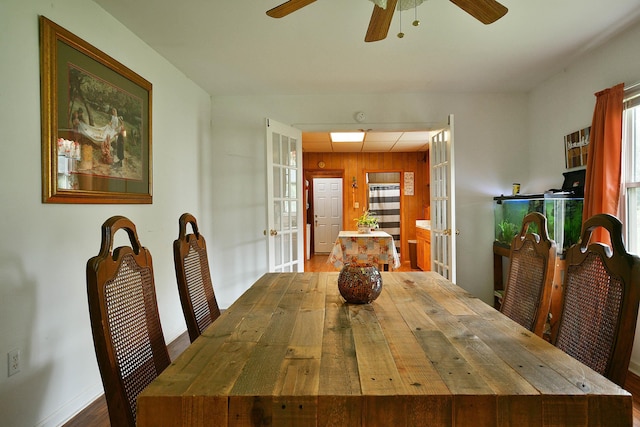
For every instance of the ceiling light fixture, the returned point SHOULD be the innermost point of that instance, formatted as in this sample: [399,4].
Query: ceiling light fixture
[347,136]
[402,5]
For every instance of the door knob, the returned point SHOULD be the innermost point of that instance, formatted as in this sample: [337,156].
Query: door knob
[273,232]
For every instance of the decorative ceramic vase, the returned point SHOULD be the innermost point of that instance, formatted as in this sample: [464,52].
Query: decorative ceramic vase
[359,283]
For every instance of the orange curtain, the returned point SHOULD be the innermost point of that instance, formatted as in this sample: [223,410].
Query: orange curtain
[603,175]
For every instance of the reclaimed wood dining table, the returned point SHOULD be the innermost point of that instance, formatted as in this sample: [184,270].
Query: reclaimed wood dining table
[291,352]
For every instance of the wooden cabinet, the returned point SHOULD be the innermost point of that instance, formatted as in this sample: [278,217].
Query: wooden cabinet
[423,248]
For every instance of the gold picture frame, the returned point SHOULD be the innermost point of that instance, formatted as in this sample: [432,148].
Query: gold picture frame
[96,124]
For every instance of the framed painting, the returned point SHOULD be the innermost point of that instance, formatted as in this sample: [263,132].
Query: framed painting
[96,124]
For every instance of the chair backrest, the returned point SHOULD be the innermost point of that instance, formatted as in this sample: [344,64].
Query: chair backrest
[600,301]
[529,283]
[198,300]
[129,343]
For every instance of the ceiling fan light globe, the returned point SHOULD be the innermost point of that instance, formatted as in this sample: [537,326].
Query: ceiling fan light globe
[416,23]
[380,3]
[408,4]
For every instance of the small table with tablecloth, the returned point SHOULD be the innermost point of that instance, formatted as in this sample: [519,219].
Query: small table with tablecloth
[376,247]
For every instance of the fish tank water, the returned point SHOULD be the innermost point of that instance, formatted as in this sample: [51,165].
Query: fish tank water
[562,210]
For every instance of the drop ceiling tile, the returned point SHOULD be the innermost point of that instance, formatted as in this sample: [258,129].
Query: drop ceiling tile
[415,136]
[382,136]
[316,137]
[316,147]
[346,147]
[409,146]
[380,146]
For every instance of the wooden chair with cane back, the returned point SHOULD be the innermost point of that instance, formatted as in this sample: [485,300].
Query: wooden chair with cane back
[128,339]
[197,297]
[527,295]
[600,301]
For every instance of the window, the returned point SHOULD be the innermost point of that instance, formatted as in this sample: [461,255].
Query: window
[631,167]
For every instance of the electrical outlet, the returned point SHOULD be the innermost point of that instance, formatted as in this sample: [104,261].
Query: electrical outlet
[14,361]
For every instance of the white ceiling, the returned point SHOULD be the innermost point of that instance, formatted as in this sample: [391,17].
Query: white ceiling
[233,48]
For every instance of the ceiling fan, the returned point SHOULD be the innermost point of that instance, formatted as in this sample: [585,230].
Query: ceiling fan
[485,11]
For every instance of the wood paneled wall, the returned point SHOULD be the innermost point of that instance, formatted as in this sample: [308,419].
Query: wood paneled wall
[350,165]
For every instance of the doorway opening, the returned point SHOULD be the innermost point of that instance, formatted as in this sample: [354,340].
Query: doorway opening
[384,203]
[403,152]
[322,178]
[327,213]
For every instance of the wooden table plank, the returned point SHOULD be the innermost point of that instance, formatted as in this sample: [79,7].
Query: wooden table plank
[338,368]
[339,402]
[376,366]
[417,373]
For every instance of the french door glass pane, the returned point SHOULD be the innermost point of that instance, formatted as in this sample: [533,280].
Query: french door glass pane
[293,154]
[294,245]
[277,215]
[277,186]
[276,148]
[278,249]
[286,182]
[294,216]
[293,184]
[285,151]
[286,244]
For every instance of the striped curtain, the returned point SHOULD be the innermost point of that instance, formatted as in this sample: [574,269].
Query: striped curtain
[384,204]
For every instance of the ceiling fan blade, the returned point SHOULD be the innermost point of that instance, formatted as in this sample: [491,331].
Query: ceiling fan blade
[485,11]
[380,22]
[288,7]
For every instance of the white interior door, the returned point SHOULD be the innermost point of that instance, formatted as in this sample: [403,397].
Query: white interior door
[284,198]
[443,218]
[327,212]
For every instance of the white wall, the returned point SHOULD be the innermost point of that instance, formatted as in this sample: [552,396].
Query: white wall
[565,103]
[44,247]
[490,133]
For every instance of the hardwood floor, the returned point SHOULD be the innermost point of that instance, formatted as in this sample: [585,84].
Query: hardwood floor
[319,263]
[96,415]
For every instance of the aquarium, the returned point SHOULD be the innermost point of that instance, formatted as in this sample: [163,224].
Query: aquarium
[563,212]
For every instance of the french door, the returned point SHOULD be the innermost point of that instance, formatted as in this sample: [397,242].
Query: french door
[285,224]
[443,216]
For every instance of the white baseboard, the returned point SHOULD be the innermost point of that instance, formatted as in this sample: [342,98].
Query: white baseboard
[72,407]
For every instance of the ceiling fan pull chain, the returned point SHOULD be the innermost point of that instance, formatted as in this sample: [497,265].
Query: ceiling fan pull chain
[400,34]
[416,21]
